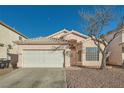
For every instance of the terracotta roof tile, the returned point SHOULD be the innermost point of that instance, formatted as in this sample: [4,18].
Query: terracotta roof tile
[42,41]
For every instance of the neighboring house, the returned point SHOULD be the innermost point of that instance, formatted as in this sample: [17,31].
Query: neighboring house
[54,51]
[7,36]
[116,48]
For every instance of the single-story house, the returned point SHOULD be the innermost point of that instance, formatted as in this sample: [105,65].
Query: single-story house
[54,51]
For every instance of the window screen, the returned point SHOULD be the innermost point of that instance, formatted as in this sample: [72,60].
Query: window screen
[92,54]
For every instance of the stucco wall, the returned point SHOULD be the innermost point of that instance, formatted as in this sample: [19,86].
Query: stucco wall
[67,57]
[3,52]
[7,37]
[59,35]
[73,36]
[116,51]
[123,36]
[123,46]
[90,43]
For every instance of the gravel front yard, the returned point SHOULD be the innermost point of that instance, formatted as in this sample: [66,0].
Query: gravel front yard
[93,78]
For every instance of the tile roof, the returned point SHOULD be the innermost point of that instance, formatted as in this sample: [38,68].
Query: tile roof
[43,41]
[68,32]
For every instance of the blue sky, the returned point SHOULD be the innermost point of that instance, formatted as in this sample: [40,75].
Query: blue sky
[35,21]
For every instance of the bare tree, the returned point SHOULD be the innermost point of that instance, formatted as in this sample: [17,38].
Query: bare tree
[95,22]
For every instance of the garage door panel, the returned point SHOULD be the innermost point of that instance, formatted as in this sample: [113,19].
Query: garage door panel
[31,58]
[38,58]
[54,57]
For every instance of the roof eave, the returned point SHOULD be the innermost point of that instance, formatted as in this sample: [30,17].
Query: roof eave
[10,28]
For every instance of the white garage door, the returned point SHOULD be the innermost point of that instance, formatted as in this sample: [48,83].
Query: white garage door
[37,58]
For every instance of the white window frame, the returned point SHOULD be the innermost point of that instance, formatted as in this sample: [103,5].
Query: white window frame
[92,54]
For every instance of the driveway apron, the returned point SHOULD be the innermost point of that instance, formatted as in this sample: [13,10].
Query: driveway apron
[34,78]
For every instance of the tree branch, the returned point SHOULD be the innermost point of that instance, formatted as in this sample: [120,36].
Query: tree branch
[97,43]
[114,36]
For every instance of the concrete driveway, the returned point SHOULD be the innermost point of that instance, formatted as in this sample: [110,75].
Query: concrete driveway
[34,78]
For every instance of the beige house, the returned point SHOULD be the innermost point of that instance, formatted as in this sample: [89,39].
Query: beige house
[7,36]
[54,51]
[116,48]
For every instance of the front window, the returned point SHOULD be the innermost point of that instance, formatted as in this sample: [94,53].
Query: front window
[92,54]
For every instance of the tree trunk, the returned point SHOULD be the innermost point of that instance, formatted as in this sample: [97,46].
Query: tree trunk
[104,57]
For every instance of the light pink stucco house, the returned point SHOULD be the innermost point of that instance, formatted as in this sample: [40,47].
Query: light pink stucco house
[54,51]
